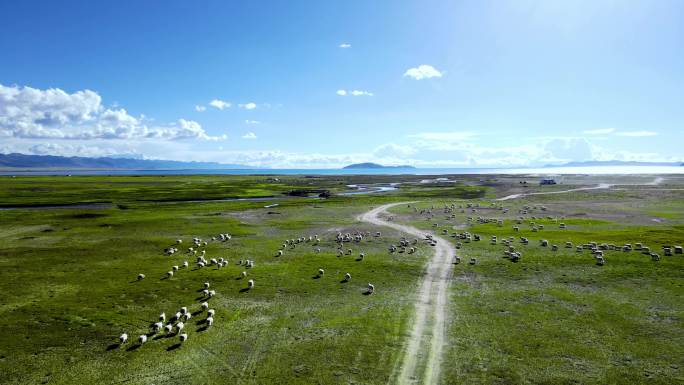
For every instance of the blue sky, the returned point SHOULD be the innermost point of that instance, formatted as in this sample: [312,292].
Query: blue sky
[438,83]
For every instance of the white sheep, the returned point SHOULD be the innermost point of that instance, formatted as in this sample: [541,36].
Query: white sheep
[243,274]
[347,277]
[169,274]
[177,316]
[371,288]
[321,272]
[180,326]
[142,339]
[174,268]
[187,316]
[279,253]
[184,310]
[123,338]
[141,276]
[168,328]
[250,284]
[179,241]
[186,264]
[206,285]
[183,337]
[211,312]
[205,306]
[158,326]
[162,317]
[205,292]
[212,293]
[210,321]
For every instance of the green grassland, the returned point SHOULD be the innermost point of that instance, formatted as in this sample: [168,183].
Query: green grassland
[68,278]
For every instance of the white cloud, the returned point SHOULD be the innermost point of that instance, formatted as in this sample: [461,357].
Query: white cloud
[31,113]
[444,137]
[345,45]
[249,135]
[392,150]
[361,93]
[354,93]
[200,108]
[247,121]
[423,71]
[637,134]
[220,104]
[599,131]
[248,106]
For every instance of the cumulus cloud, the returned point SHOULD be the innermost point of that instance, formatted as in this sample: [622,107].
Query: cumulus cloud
[393,150]
[31,113]
[249,135]
[637,134]
[569,149]
[423,71]
[599,131]
[248,106]
[200,108]
[345,45]
[220,104]
[354,93]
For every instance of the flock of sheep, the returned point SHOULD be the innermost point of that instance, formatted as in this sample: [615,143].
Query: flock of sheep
[597,249]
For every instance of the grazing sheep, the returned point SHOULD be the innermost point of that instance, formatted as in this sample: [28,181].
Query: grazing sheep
[211,312]
[184,310]
[187,316]
[168,328]
[177,316]
[169,274]
[174,268]
[123,338]
[205,306]
[347,277]
[600,261]
[205,292]
[206,285]
[243,274]
[250,284]
[371,288]
[179,327]
[157,326]
[186,264]
[162,317]
[183,337]
[321,272]
[279,253]
[210,321]
[142,339]
[179,241]
[141,276]
[212,293]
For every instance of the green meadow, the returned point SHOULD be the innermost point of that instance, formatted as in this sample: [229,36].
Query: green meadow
[69,281]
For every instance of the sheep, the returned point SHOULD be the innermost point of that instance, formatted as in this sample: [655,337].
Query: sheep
[473,261]
[321,272]
[184,310]
[162,317]
[250,284]
[600,261]
[347,277]
[212,293]
[279,253]
[211,312]
[457,260]
[142,339]
[169,274]
[206,285]
[183,337]
[371,288]
[123,338]
[177,316]
[205,305]
[157,326]
[187,316]
[141,277]
[179,241]
[186,264]
[243,274]
[179,327]
[205,292]
[210,321]
[168,328]
[317,250]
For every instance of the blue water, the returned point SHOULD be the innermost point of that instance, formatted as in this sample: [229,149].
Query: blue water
[375,171]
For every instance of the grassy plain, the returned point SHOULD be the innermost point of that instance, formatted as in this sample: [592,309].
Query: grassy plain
[69,288]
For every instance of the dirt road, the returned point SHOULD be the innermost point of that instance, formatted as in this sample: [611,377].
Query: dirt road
[423,355]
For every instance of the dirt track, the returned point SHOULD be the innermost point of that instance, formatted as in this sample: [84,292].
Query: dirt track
[423,355]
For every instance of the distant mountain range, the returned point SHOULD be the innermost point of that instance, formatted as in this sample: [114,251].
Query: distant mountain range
[368,165]
[594,163]
[107,163]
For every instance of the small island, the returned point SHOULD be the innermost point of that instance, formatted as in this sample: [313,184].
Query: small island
[368,165]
